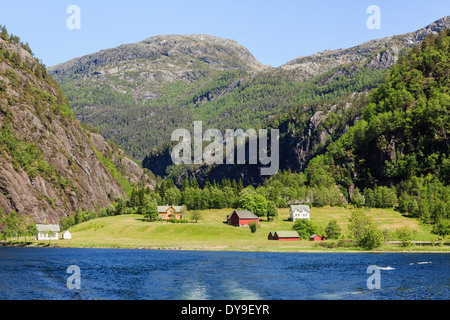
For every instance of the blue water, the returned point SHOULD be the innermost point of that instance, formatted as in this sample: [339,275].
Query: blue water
[110,274]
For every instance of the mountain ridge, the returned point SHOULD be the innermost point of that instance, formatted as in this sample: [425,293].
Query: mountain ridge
[358,53]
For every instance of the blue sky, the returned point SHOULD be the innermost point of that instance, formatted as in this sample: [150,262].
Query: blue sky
[274,31]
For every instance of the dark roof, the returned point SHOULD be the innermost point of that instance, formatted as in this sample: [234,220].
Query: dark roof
[245,214]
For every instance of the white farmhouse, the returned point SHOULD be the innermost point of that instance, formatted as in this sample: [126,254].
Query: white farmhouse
[47,231]
[299,212]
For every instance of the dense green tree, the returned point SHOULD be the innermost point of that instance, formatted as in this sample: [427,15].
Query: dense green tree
[172,196]
[364,231]
[272,211]
[149,210]
[442,228]
[358,199]
[196,215]
[333,231]
[305,228]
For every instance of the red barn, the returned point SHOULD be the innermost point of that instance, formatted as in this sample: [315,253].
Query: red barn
[284,236]
[315,237]
[241,218]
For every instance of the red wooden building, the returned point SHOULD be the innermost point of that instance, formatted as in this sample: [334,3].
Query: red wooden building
[284,236]
[316,237]
[241,218]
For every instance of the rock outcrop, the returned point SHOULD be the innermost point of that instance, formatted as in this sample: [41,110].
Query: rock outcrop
[378,54]
[50,165]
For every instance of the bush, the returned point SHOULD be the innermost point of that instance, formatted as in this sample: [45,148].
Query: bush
[253,226]
[3,85]
[405,235]
[173,220]
[372,239]
[337,244]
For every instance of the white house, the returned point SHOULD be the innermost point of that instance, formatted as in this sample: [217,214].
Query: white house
[299,212]
[47,231]
[66,235]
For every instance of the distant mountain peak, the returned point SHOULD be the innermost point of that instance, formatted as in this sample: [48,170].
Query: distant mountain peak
[178,55]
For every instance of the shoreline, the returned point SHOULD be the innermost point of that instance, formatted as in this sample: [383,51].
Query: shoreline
[411,249]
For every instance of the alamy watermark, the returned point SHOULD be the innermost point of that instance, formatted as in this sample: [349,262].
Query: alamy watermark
[74,281]
[214,152]
[374,20]
[73,22]
[374,281]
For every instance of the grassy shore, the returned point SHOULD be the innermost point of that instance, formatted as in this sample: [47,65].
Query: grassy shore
[211,233]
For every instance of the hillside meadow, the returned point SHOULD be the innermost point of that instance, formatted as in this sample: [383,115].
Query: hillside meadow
[211,233]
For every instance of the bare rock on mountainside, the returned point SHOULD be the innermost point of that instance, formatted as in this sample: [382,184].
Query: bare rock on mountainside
[377,54]
[160,59]
[49,165]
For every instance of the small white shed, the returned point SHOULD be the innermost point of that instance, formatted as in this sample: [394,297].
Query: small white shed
[66,235]
[299,212]
[48,231]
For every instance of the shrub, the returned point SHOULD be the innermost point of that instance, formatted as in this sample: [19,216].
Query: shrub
[405,235]
[253,226]
[173,220]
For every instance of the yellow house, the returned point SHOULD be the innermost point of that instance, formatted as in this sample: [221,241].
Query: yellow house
[171,212]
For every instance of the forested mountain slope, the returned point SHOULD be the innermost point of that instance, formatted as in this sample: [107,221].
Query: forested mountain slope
[405,128]
[397,155]
[311,108]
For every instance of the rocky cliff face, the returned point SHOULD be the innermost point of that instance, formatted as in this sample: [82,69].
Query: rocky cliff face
[49,165]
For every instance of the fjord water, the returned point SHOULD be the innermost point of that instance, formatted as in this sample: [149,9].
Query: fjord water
[110,274]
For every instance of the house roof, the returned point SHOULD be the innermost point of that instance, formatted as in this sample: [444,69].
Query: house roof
[287,234]
[47,227]
[314,235]
[165,208]
[67,231]
[300,207]
[245,214]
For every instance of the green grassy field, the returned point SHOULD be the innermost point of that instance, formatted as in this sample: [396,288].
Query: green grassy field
[211,233]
